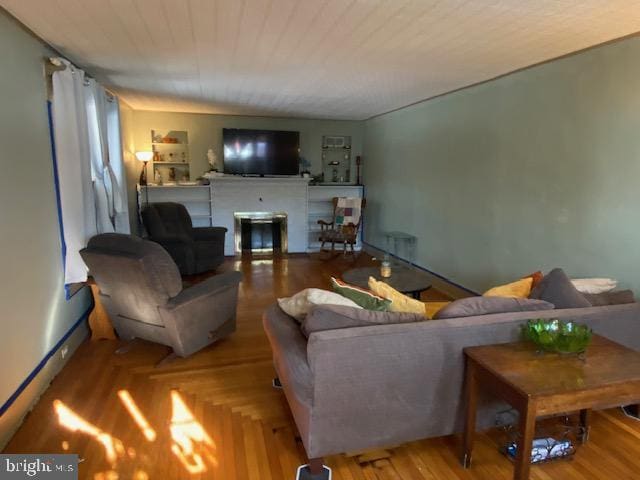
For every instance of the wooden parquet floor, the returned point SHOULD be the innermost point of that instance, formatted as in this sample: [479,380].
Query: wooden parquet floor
[227,391]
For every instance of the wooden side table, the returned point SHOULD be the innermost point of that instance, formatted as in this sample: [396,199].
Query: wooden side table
[548,384]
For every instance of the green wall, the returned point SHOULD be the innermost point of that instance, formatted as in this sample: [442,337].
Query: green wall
[34,314]
[537,169]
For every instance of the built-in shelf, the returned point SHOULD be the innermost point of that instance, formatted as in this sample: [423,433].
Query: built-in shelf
[196,199]
[320,206]
[336,159]
[171,160]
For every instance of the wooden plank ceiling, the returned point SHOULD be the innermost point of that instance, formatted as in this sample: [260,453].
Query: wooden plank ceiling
[344,59]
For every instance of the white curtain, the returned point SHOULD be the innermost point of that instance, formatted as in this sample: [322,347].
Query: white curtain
[74,169]
[106,161]
[90,167]
[117,168]
[102,186]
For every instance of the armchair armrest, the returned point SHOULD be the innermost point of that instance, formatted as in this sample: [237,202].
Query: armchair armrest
[202,314]
[203,290]
[209,233]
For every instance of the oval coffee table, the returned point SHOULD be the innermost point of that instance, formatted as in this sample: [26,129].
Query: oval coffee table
[403,279]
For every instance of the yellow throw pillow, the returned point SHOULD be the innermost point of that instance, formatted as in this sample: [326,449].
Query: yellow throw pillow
[431,308]
[517,289]
[399,301]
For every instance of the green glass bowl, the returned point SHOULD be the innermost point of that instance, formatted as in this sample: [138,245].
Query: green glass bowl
[553,335]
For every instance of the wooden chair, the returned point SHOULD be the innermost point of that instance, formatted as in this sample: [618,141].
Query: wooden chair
[337,231]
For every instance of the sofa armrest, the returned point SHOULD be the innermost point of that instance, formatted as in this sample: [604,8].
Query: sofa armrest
[209,233]
[205,290]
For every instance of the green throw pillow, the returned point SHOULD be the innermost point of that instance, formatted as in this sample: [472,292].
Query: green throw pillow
[362,297]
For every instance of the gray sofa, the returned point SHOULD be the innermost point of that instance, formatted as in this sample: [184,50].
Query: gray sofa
[357,388]
[194,249]
[141,289]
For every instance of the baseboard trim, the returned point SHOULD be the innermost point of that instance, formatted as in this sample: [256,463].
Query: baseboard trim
[378,251]
[40,376]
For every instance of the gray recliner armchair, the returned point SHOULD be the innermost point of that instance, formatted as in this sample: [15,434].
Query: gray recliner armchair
[141,288]
[194,249]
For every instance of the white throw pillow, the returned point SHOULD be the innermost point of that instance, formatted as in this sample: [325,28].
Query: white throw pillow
[299,305]
[594,285]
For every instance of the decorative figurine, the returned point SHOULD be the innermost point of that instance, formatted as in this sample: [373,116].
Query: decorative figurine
[212,159]
[305,166]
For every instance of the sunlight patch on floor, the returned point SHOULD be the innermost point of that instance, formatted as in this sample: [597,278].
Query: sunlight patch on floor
[191,441]
[70,420]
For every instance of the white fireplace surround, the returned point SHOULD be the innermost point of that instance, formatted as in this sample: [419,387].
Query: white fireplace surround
[232,195]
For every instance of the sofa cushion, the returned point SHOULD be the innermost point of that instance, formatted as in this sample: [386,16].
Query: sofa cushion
[536,278]
[518,289]
[362,297]
[594,285]
[299,305]
[399,301]
[556,287]
[469,307]
[610,298]
[332,317]
[432,308]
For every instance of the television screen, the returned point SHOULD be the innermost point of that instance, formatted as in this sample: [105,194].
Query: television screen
[260,152]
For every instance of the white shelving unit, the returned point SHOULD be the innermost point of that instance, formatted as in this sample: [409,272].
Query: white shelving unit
[321,208]
[170,152]
[196,198]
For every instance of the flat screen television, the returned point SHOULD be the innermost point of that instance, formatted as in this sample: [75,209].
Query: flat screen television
[260,152]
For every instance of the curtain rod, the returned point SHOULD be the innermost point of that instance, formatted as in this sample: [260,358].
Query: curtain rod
[54,64]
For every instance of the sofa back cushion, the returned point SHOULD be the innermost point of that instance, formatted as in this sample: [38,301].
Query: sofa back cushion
[617,297]
[468,307]
[332,317]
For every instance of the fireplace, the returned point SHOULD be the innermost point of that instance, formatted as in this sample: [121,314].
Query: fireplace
[260,232]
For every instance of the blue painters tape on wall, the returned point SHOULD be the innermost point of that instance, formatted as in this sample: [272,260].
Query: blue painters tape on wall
[44,361]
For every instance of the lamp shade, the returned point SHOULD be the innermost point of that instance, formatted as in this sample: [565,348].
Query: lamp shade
[144,156]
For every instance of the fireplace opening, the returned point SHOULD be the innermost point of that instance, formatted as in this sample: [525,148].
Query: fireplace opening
[260,232]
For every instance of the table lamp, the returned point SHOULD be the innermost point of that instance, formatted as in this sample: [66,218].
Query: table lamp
[144,157]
